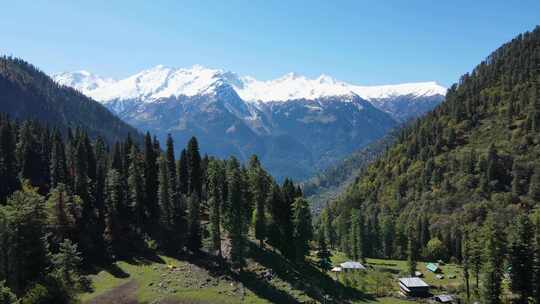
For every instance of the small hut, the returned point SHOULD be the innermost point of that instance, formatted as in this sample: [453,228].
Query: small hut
[336,269]
[444,299]
[433,267]
[413,287]
[352,266]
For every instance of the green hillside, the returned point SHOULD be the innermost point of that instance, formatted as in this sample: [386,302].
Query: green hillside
[474,159]
[328,184]
[28,93]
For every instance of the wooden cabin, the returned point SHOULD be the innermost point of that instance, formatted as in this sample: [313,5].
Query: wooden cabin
[414,287]
[352,266]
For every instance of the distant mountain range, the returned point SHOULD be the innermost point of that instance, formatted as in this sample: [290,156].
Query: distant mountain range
[296,125]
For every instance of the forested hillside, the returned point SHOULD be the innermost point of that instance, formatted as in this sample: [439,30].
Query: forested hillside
[70,203]
[328,184]
[28,93]
[469,170]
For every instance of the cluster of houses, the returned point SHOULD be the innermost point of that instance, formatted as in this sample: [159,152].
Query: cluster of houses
[418,288]
[409,286]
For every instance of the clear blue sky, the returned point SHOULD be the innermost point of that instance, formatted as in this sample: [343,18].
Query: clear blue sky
[364,42]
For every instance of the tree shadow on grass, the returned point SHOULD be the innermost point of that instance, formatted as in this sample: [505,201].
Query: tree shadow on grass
[143,258]
[306,277]
[249,280]
[303,277]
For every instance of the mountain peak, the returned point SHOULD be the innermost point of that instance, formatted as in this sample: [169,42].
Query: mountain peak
[162,82]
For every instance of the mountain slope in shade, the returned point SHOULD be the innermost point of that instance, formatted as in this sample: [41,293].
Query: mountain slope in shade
[27,93]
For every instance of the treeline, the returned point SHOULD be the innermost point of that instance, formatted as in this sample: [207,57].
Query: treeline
[493,254]
[69,203]
[473,158]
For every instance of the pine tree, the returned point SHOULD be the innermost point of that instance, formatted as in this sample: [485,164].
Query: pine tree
[6,296]
[28,158]
[492,166]
[194,225]
[327,222]
[58,170]
[388,235]
[285,217]
[6,249]
[26,219]
[66,268]
[356,235]
[303,231]
[183,174]
[343,225]
[8,162]
[492,271]
[476,254]
[194,167]
[412,254]
[215,198]
[151,183]
[258,182]
[534,186]
[466,248]
[323,254]
[170,168]
[520,258]
[164,196]
[519,179]
[237,221]
[114,230]
[274,203]
[63,214]
[536,256]
[102,165]
[135,190]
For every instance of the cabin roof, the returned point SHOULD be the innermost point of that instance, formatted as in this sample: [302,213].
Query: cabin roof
[413,282]
[432,266]
[444,298]
[352,265]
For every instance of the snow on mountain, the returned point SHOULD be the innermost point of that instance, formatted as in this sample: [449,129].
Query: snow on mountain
[291,87]
[163,82]
[418,89]
[82,81]
[296,124]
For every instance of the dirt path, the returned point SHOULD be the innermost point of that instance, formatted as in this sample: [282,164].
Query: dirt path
[123,294]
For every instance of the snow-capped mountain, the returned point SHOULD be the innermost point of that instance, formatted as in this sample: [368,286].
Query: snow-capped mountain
[297,125]
[164,82]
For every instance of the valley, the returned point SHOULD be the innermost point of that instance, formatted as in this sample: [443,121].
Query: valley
[185,184]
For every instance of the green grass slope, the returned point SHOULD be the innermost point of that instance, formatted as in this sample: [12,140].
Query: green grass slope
[268,278]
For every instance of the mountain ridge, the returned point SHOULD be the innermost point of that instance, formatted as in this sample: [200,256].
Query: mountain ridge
[297,125]
[28,93]
[164,82]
